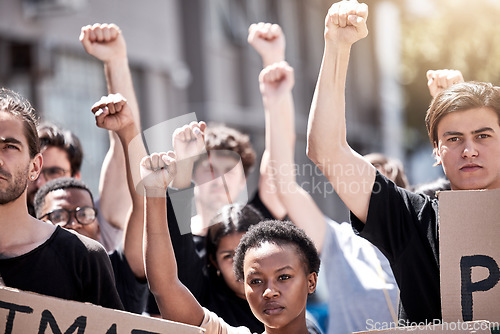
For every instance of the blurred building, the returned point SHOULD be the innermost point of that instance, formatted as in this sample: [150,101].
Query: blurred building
[192,56]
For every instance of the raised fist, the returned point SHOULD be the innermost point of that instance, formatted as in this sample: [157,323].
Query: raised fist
[268,40]
[345,22]
[158,170]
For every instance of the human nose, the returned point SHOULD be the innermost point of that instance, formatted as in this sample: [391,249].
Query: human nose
[270,291]
[469,149]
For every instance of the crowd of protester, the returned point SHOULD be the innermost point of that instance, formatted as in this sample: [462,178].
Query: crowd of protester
[236,267]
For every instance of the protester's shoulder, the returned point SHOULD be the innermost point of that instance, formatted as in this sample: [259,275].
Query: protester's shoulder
[213,324]
[72,240]
[337,230]
[336,226]
[387,188]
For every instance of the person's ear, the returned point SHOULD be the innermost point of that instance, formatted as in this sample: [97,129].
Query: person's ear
[312,280]
[35,166]
[437,155]
[78,175]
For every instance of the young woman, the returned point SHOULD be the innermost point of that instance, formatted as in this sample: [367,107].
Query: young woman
[276,261]
[208,273]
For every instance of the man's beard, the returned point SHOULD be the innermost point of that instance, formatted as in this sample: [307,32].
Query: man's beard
[16,187]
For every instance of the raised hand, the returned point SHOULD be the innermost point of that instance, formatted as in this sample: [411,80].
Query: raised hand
[188,140]
[275,82]
[345,22]
[157,171]
[103,41]
[439,80]
[268,40]
[113,113]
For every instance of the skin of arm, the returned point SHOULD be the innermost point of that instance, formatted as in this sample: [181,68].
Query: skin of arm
[174,300]
[188,143]
[113,113]
[269,42]
[106,43]
[276,82]
[351,176]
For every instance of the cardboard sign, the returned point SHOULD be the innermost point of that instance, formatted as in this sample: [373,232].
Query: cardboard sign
[471,327]
[29,313]
[469,244]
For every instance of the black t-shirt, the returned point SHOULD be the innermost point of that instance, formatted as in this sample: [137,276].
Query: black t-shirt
[404,226]
[133,292]
[67,265]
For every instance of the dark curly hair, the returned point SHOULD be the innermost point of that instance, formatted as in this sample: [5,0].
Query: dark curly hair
[220,138]
[51,135]
[56,184]
[279,233]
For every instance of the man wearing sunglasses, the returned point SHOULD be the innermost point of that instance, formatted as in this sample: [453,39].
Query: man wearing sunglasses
[68,203]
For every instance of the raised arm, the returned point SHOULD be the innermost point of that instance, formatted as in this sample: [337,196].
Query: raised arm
[351,176]
[113,113]
[269,42]
[188,145]
[174,300]
[438,80]
[276,82]
[106,43]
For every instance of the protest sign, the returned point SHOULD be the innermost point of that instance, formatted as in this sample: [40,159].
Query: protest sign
[469,236]
[29,313]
